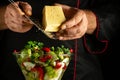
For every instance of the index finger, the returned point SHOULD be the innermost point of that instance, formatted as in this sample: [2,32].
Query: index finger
[71,22]
[26,8]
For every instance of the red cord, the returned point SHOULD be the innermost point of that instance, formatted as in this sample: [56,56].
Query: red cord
[76,48]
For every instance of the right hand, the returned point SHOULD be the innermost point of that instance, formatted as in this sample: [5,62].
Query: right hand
[78,23]
[14,17]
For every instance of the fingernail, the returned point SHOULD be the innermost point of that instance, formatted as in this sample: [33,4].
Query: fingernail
[29,13]
[63,27]
[60,38]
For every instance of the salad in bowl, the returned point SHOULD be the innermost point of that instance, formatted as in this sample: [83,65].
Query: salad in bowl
[38,62]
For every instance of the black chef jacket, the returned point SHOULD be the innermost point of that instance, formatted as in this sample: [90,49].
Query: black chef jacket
[84,64]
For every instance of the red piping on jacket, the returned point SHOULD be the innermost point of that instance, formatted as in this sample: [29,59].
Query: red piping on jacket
[76,48]
[75,59]
[104,41]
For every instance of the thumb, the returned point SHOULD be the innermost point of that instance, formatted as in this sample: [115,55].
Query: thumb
[68,24]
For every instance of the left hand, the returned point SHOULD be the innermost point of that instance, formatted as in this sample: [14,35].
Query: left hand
[77,23]
[14,17]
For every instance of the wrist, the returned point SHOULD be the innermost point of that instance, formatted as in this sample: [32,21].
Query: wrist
[92,23]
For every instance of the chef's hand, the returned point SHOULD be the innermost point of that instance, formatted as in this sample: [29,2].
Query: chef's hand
[78,23]
[13,17]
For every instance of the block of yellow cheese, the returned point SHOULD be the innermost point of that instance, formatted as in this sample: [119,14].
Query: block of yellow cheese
[53,16]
